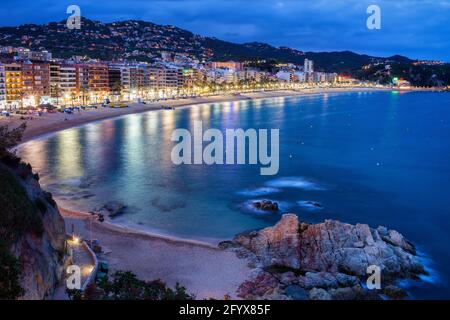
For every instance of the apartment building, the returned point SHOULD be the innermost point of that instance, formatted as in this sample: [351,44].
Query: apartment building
[55,79]
[36,81]
[2,87]
[93,80]
[165,77]
[231,65]
[308,66]
[13,83]
[115,79]
[34,55]
[68,80]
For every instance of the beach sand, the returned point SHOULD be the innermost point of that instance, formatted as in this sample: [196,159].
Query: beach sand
[205,270]
[52,122]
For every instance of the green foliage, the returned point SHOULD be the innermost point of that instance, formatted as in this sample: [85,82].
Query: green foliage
[126,286]
[18,214]
[9,274]
[74,294]
[10,138]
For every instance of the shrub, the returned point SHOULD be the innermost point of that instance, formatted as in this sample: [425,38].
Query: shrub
[126,286]
[18,214]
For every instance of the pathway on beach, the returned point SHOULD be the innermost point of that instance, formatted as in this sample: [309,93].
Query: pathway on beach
[81,258]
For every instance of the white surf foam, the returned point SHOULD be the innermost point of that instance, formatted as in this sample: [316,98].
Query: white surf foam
[294,182]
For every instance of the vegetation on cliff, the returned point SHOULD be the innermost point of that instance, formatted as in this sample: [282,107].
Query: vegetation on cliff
[124,285]
[16,215]
[31,230]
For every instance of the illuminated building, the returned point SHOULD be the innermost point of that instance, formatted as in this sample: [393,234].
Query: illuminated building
[2,87]
[308,66]
[36,81]
[93,81]
[13,83]
[231,65]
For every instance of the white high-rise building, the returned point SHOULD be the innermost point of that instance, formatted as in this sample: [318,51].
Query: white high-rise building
[309,66]
[2,88]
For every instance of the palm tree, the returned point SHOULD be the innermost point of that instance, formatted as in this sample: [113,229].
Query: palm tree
[84,90]
[55,91]
[117,87]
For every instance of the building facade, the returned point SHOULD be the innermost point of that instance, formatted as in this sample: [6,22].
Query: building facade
[2,87]
[36,82]
[13,84]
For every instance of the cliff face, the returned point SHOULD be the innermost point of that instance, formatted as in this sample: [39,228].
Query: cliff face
[33,230]
[329,260]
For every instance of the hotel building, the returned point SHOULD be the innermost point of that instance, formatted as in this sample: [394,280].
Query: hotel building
[13,84]
[36,82]
[165,77]
[93,80]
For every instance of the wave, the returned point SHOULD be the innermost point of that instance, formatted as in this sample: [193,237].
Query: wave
[310,205]
[258,191]
[294,182]
[432,277]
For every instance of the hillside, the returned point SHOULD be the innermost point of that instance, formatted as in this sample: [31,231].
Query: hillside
[145,41]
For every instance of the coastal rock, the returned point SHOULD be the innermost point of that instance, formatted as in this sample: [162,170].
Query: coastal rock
[266,205]
[262,285]
[113,208]
[395,293]
[296,292]
[330,259]
[318,280]
[330,246]
[278,245]
[319,294]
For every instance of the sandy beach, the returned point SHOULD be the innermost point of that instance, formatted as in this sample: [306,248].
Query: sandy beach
[48,123]
[204,269]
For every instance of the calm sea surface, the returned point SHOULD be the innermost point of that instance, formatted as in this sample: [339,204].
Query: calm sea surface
[381,158]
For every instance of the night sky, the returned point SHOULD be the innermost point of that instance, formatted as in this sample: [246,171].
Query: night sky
[415,28]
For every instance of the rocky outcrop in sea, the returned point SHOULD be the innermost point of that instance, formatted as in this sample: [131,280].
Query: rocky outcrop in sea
[324,261]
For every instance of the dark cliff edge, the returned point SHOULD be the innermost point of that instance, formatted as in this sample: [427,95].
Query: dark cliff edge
[32,233]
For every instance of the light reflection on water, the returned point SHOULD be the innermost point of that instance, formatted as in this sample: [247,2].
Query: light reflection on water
[377,158]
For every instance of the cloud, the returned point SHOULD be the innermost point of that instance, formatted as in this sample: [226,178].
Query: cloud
[417,28]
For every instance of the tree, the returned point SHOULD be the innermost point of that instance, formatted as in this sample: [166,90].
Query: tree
[117,88]
[10,138]
[55,92]
[124,285]
[84,90]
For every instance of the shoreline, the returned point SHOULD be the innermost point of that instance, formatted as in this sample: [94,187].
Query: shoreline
[192,264]
[134,231]
[150,254]
[52,123]
[42,129]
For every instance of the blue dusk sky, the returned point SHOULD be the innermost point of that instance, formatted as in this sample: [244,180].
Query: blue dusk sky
[415,28]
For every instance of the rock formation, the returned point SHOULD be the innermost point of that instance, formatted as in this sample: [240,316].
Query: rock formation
[265,205]
[33,230]
[324,261]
